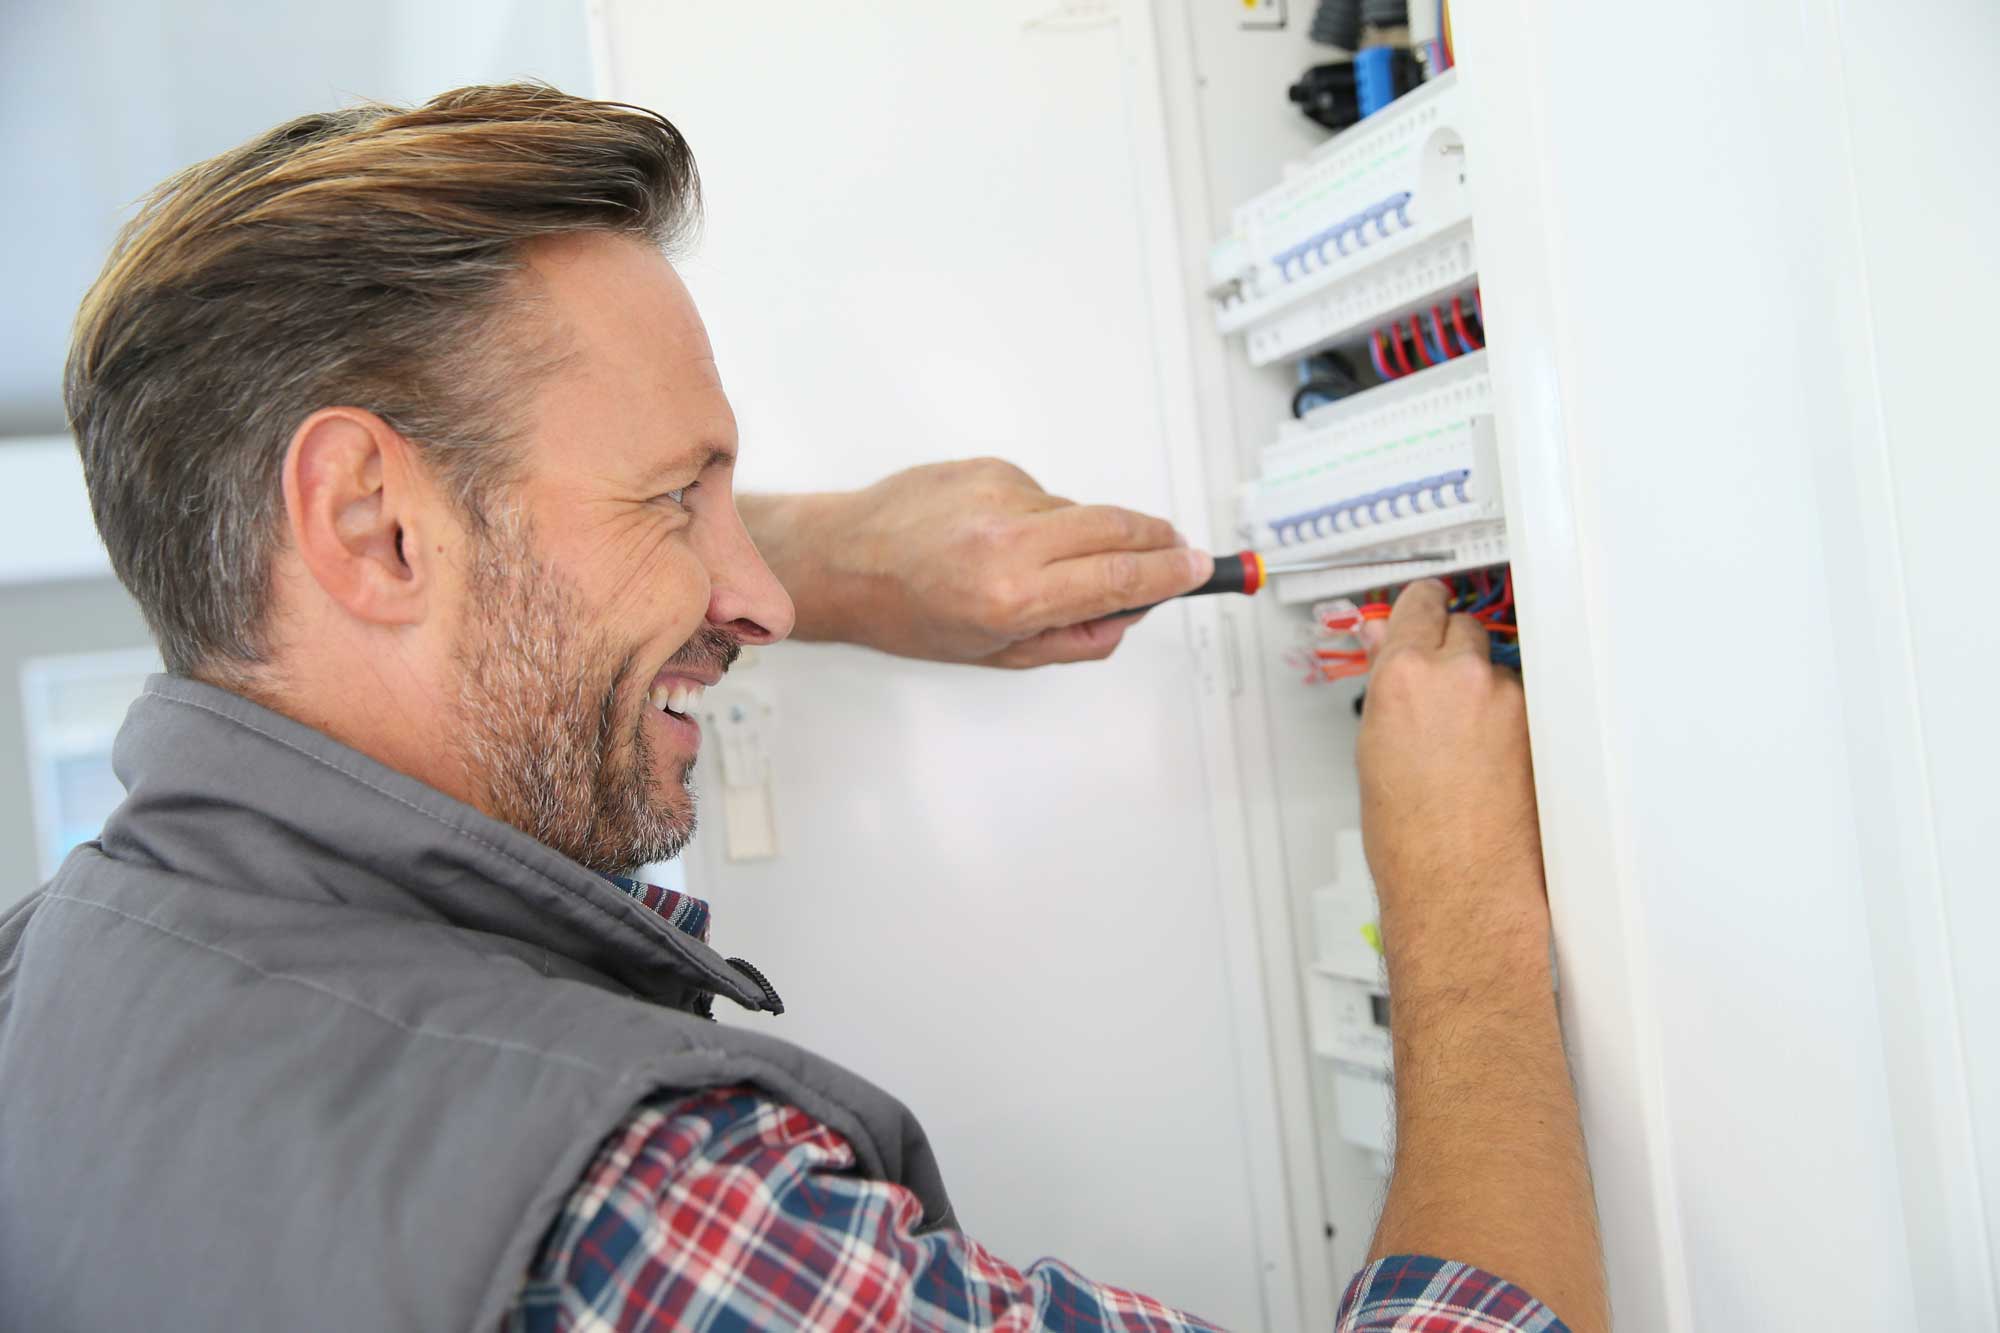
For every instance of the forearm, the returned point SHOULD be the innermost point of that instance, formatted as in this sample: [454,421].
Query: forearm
[968,562]
[1490,1167]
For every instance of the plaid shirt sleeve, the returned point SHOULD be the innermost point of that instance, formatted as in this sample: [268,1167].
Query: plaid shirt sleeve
[727,1210]
[1409,1293]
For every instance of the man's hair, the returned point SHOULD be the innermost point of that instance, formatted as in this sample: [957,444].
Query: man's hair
[367,258]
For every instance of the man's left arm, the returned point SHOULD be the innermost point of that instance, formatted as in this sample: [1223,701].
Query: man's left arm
[969,562]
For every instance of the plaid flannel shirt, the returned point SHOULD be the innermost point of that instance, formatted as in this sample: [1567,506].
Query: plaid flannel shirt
[727,1210]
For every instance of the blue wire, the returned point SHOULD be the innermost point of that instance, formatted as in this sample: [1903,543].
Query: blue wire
[1430,344]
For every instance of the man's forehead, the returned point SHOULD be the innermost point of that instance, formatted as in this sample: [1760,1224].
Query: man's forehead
[636,360]
[621,302]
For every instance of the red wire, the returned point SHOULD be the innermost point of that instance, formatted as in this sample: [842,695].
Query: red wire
[1437,329]
[1396,342]
[1458,322]
[1378,356]
[1417,337]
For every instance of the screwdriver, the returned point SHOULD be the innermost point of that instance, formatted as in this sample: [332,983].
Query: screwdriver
[1247,571]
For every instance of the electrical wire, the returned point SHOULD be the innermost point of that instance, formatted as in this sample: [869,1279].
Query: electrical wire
[1436,334]
[1337,23]
[1425,352]
[1487,595]
[1432,356]
[1376,357]
[1396,344]
[1465,338]
[1302,396]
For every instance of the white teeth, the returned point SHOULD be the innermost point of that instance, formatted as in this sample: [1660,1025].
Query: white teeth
[680,697]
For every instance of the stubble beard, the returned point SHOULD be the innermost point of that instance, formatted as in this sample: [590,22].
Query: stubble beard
[539,716]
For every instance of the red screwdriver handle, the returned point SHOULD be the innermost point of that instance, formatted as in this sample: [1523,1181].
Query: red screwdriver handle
[1242,572]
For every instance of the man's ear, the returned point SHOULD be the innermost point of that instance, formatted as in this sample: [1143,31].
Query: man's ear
[354,504]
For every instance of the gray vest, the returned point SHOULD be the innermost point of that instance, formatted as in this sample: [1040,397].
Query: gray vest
[303,1043]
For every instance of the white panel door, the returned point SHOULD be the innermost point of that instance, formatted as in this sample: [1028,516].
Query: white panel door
[997,894]
[1733,260]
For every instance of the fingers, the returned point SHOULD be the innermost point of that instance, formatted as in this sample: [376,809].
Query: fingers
[1092,529]
[1088,587]
[1091,641]
[1463,634]
[1419,618]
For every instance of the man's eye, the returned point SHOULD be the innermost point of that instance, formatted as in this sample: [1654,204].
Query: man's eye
[679,495]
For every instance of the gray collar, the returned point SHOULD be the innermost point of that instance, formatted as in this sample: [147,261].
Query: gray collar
[223,790]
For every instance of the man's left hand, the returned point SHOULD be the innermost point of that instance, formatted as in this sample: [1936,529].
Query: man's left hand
[969,562]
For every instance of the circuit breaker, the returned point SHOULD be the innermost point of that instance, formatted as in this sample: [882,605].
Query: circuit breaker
[1360,269]
[1366,252]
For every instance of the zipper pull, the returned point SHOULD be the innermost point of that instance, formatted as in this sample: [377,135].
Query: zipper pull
[771,1000]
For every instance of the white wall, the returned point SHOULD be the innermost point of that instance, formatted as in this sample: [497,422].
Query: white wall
[997,894]
[46,531]
[100,100]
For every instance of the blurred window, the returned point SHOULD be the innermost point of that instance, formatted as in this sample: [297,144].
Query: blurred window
[73,706]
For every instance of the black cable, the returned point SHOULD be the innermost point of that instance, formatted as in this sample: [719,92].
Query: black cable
[1326,389]
[1330,376]
[1337,23]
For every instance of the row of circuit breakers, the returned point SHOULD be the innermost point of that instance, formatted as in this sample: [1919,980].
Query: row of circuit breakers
[1364,258]
[1365,252]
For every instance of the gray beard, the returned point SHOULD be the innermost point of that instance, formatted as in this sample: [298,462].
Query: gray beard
[538,723]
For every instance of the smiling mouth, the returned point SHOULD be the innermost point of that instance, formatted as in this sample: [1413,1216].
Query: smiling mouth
[677,696]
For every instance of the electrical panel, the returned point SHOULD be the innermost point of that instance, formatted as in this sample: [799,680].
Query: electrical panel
[1347,1001]
[1360,270]
[1375,225]
[1365,254]
[1407,467]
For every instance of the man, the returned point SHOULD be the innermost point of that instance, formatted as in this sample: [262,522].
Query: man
[408,440]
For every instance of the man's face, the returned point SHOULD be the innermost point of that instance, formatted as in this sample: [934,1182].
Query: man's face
[616,580]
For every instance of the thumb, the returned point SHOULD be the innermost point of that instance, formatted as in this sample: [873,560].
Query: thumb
[1372,633]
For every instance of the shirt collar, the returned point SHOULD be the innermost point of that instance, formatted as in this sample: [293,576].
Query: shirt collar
[683,911]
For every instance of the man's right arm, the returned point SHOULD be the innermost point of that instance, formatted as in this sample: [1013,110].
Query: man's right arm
[1489,1164]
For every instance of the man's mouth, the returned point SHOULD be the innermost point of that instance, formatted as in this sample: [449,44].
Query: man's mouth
[677,695]
[678,686]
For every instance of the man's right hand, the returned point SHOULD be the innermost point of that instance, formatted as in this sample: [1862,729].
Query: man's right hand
[1490,1167]
[1447,791]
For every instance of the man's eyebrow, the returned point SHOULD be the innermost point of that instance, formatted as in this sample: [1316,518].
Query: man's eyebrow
[706,457]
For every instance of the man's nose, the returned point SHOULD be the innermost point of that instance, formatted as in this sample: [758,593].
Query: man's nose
[745,597]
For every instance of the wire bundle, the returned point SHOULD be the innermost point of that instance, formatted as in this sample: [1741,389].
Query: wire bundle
[1336,652]
[1428,339]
